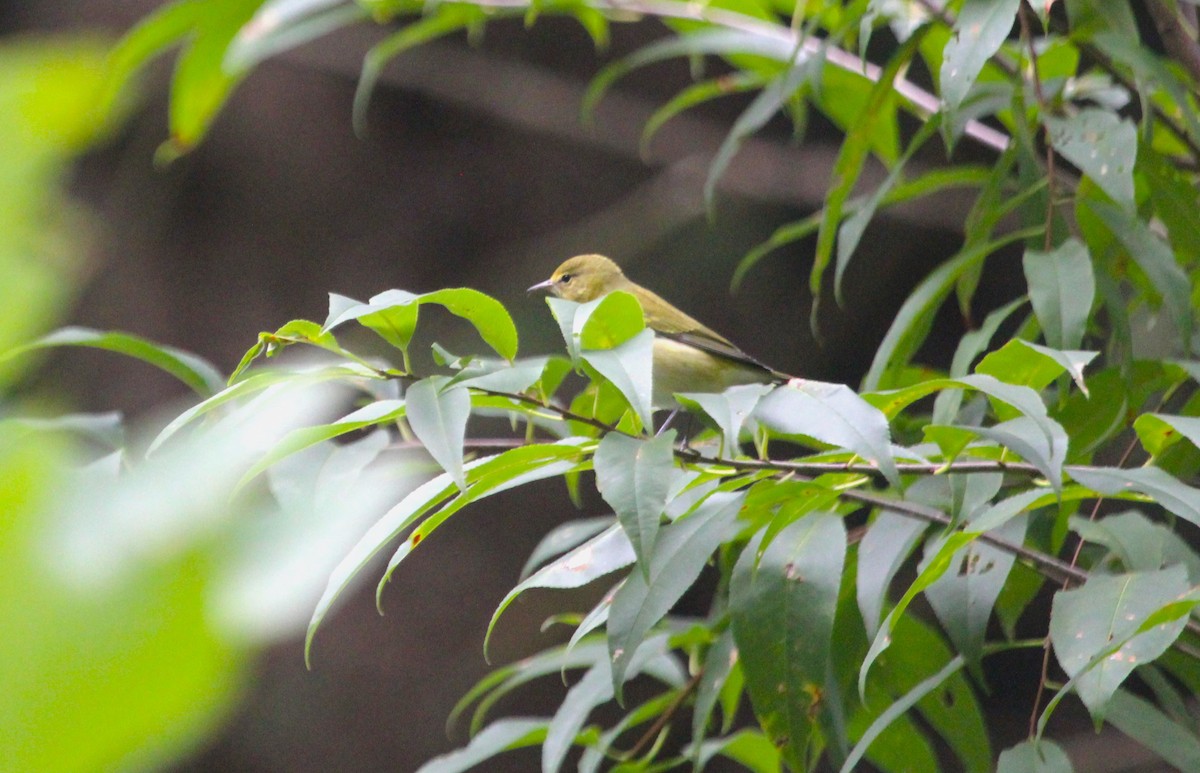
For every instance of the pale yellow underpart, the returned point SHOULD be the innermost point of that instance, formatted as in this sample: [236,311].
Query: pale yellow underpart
[679,367]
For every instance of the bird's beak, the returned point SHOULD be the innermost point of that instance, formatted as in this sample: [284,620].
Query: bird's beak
[541,286]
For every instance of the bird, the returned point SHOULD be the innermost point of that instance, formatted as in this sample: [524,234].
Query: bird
[687,356]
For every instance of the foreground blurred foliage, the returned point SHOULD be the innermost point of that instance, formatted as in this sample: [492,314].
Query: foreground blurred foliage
[133,591]
[1057,452]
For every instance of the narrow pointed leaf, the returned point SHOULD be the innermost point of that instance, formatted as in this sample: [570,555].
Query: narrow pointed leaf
[439,420]
[1162,487]
[833,414]
[782,605]
[1062,289]
[681,553]
[981,28]
[888,541]
[194,371]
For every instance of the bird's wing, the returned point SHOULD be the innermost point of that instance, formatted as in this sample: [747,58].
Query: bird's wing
[685,329]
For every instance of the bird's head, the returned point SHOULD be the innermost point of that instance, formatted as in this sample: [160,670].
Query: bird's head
[583,278]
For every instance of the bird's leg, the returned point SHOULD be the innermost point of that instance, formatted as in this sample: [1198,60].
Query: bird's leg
[686,445]
[666,424]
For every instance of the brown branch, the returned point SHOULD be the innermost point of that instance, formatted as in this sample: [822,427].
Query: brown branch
[1178,41]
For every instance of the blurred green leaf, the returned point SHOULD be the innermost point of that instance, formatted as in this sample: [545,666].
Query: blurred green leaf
[1154,257]
[500,736]
[1036,756]
[1143,722]
[193,371]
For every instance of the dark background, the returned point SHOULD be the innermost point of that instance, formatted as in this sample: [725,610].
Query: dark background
[475,171]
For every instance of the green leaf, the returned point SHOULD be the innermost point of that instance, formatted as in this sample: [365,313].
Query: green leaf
[1103,146]
[107,429]
[761,109]
[603,554]
[1028,440]
[439,420]
[1036,756]
[280,25]
[500,736]
[446,19]
[628,368]
[608,322]
[963,598]
[916,315]
[593,689]
[680,554]
[194,371]
[879,109]
[563,538]
[1145,723]
[746,747]
[718,41]
[504,680]
[937,562]
[696,94]
[719,662]
[1160,431]
[1139,543]
[165,27]
[853,227]
[1062,289]
[953,711]
[202,83]
[1108,611]
[635,477]
[1154,257]
[258,383]
[540,462]
[729,409]
[1034,366]
[898,708]
[1179,498]
[970,346]
[981,28]
[393,315]
[885,546]
[501,376]
[414,505]
[379,412]
[833,414]
[782,604]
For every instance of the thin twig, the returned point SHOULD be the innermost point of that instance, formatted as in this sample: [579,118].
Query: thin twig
[668,714]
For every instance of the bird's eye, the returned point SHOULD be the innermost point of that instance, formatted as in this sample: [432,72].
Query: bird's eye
[565,278]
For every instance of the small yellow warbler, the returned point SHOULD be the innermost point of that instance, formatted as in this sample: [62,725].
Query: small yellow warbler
[688,357]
